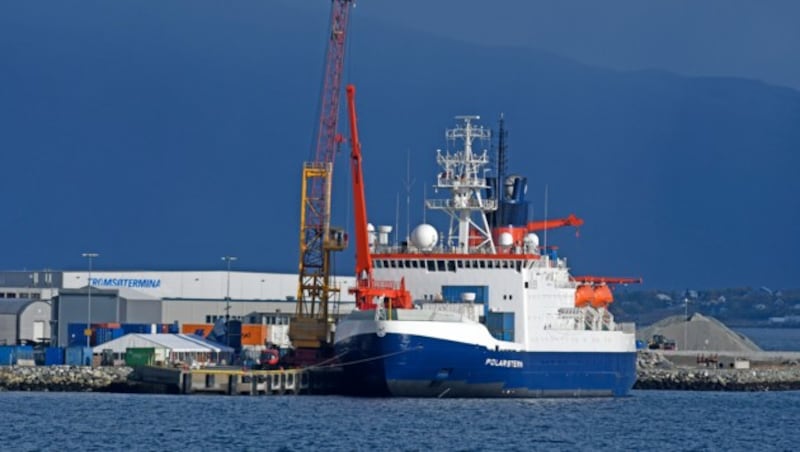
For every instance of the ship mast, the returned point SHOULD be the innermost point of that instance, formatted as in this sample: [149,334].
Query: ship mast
[462,176]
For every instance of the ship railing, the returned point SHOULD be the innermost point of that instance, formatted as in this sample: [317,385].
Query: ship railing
[471,203]
[377,284]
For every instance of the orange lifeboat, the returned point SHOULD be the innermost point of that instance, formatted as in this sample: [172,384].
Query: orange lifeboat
[584,295]
[602,296]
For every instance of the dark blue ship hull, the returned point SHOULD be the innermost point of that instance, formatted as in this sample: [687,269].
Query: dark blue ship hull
[415,366]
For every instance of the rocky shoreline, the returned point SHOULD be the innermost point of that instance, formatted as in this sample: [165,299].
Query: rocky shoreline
[655,371]
[65,379]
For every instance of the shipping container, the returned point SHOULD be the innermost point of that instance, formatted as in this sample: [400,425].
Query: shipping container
[254,334]
[7,355]
[53,356]
[102,335]
[78,356]
[136,328]
[140,356]
[201,329]
[109,325]
[279,335]
[24,352]
[75,334]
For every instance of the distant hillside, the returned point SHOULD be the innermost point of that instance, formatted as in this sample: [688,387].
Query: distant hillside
[744,306]
[165,137]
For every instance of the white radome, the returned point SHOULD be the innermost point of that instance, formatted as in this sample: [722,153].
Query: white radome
[505,239]
[424,237]
[532,240]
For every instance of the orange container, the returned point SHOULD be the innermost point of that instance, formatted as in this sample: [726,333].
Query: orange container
[254,334]
[192,328]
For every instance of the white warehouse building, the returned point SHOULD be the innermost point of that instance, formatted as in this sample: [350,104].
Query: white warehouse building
[185,297]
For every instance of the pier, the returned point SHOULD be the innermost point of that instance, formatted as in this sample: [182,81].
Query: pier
[236,381]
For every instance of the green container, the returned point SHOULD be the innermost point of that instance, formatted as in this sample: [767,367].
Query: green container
[140,356]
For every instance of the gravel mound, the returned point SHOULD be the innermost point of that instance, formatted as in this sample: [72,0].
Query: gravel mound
[701,333]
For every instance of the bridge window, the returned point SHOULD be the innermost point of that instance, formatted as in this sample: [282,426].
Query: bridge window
[460,264]
[431,266]
[440,265]
[483,264]
[451,266]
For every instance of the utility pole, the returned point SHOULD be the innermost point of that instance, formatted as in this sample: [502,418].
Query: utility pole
[88,331]
[228,260]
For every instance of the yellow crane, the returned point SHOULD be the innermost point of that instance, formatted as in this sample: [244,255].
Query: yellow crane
[311,329]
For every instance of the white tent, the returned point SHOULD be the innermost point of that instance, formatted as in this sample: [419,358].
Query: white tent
[170,348]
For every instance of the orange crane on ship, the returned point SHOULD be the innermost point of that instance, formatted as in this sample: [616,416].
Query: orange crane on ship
[542,225]
[367,290]
[310,331]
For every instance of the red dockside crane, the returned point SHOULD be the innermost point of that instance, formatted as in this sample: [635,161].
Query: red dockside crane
[310,329]
[367,290]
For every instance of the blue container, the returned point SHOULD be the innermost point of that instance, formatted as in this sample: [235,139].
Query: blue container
[53,356]
[174,328]
[103,335]
[136,328]
[7,355]
[23,352]
[117,333]
[78,356]
[75,334]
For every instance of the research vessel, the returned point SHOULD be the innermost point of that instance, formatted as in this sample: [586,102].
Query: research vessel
[479,309]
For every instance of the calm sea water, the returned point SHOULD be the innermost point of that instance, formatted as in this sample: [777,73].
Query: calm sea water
[647,420]
[657,420]
[781,339]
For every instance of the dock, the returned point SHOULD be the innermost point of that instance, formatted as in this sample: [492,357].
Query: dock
[237,381]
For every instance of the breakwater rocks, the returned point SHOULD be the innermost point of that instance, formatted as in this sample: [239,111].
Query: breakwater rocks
[656,372]
[64,378]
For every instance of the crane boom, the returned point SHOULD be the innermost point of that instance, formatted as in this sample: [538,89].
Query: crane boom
[571,220]
[367,290]
[311,327]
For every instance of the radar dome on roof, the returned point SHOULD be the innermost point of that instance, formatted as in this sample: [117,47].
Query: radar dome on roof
[532,239]
[505,239]
[424,236]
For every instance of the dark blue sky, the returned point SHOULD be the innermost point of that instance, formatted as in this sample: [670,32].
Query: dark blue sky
[743,38]
[166,135]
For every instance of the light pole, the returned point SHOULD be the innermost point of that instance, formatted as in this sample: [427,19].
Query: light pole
[228,259]
[88,333]
[685,322]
